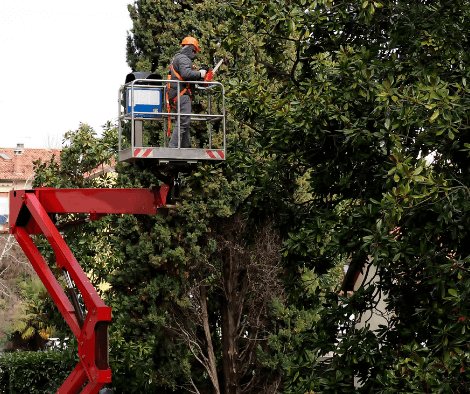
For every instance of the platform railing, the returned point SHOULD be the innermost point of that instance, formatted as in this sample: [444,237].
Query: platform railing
[144,100]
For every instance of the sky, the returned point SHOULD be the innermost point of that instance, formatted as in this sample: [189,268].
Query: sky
[61,63]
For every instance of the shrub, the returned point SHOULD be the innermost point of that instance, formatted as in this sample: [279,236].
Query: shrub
[35,372]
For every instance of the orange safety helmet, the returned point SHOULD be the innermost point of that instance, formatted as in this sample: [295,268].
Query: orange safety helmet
[190,41]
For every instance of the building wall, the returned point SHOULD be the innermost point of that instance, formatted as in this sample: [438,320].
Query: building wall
[5,187]
[3,209]
[377,316]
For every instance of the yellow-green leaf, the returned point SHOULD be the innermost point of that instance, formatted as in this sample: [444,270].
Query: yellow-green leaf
[453,292]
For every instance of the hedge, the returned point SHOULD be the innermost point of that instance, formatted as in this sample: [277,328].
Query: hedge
[35,372]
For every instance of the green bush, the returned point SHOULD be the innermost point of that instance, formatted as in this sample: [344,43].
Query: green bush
[35,372]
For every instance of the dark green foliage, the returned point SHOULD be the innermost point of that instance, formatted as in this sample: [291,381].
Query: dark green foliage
[164,255]
[36,372]
[159,27]
[351,96]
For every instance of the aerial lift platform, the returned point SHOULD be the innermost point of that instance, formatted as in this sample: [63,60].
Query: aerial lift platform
[142,99]
[33,212]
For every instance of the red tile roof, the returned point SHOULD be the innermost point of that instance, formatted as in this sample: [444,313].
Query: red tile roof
[101,169]
[20,166]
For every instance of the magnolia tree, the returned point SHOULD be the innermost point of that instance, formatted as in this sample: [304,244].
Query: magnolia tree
[368,102]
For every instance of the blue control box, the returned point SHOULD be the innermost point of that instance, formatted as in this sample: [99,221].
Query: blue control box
[145,100]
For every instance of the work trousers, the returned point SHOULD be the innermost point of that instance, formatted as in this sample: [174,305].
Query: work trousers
[185,123]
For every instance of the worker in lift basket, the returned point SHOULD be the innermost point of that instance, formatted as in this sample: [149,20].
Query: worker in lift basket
[182,69]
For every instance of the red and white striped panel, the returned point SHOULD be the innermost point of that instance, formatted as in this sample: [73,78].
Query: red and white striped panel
[215,154]
[143,152]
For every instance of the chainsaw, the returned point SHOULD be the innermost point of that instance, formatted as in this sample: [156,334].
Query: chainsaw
[210,73]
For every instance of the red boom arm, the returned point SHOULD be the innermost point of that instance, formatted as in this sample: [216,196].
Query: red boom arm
[30,214]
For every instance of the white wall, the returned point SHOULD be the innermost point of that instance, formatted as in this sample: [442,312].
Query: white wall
[4,206]
[379,315]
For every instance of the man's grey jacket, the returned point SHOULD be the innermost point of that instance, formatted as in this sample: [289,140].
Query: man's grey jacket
[183,65]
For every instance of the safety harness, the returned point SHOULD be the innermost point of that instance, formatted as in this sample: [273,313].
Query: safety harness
[173,102]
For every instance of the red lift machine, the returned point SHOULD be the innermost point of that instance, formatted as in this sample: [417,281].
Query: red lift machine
[30,213]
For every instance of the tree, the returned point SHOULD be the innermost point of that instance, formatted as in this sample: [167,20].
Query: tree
[356,95]
[191,300]
[17,301]
[187,289]
[159,26]
[30,322]
[82,155]
[196,285]
[236,287]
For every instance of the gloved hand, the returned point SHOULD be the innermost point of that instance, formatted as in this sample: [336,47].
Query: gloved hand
[203,73]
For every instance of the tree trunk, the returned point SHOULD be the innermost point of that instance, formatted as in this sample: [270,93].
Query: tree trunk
[210,349]
[230,350]
[229,313]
